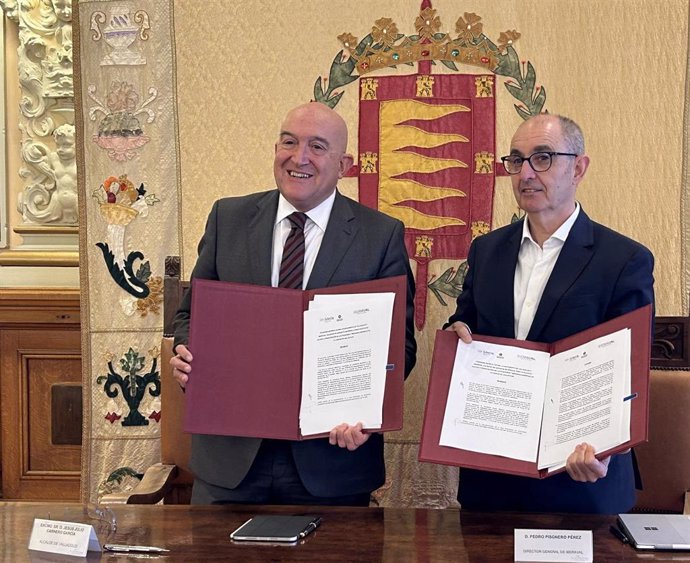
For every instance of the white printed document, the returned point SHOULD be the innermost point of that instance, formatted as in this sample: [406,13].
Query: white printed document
[495,400]
[585,398]
[521,407]
[531,406]
[345,352]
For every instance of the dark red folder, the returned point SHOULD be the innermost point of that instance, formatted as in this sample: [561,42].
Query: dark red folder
[639,321]
[247,345]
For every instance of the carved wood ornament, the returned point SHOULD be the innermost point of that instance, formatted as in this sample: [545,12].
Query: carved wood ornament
[49,173]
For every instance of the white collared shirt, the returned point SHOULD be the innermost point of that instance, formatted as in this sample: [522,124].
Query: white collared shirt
[314,229]
[534,267]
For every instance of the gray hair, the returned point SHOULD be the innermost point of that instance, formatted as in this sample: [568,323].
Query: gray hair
[572,133]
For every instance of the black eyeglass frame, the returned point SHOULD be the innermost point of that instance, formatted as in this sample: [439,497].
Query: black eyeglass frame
[529,160]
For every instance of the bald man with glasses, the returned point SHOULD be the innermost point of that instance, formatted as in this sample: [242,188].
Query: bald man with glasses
[552,274]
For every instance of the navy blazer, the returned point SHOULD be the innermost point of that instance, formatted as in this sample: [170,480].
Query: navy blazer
[359,244]
[599,275]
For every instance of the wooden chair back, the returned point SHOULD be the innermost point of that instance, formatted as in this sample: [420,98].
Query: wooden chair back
[664,461]
[175,443]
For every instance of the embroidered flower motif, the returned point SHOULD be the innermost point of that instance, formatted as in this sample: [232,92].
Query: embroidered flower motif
[427,23]
[348,40]
[384,31]
[507,38]
[122,97]
[152,302]
[469,27]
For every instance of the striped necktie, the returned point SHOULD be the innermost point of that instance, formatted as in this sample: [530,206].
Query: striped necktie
[292,263]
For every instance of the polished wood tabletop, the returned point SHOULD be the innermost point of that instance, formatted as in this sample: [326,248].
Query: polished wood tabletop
[201,533]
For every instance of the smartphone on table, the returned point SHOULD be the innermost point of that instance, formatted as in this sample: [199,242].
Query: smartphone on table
[280,528]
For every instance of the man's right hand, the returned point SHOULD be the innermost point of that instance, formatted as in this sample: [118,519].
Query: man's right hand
[462,330]
[181,364]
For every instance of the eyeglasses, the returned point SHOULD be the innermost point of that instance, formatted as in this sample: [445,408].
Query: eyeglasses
[539,161]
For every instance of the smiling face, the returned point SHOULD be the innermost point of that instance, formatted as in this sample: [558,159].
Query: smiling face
[548,197]
[310,155]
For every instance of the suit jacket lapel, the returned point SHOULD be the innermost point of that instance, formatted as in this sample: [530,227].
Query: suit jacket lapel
[260,231]
[504,281]
[340,232]
[575,255]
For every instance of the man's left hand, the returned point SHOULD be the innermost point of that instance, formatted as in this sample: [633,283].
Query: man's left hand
[346,436]
[584,467]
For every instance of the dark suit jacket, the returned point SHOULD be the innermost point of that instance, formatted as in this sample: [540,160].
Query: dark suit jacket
[359,244]
[599,275]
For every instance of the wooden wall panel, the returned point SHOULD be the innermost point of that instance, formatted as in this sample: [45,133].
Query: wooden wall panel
[40,395]
[42,375]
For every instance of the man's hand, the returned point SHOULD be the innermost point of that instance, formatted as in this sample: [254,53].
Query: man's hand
[584,467]
[181,364]
[346,436]
[462,330]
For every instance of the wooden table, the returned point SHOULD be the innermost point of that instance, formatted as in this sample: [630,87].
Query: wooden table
[201,533]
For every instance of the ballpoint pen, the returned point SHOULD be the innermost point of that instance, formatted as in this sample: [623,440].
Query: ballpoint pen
[122,548]
[615,530]
[310,527]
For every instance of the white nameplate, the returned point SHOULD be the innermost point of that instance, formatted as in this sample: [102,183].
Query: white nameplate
[553,545]
[66,538]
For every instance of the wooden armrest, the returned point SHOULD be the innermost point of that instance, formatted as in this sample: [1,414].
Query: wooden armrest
[686,506]
[155,484]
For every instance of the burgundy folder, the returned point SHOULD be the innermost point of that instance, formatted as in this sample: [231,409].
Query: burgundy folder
[247,345]
[639,321]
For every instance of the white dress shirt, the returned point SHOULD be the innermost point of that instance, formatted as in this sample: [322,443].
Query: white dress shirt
[314,229]
[533,270]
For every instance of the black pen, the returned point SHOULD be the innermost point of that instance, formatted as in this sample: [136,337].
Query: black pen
[310,527]
[122,548]
[615,530]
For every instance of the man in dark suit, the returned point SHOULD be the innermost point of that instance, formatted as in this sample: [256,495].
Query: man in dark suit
[344,242]
[549,276]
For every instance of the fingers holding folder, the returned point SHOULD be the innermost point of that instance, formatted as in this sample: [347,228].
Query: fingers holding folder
[181,364]
[346,436]
[462,330]
[583,466]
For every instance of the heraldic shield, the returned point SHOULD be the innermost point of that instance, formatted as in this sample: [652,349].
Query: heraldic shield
[427,157]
